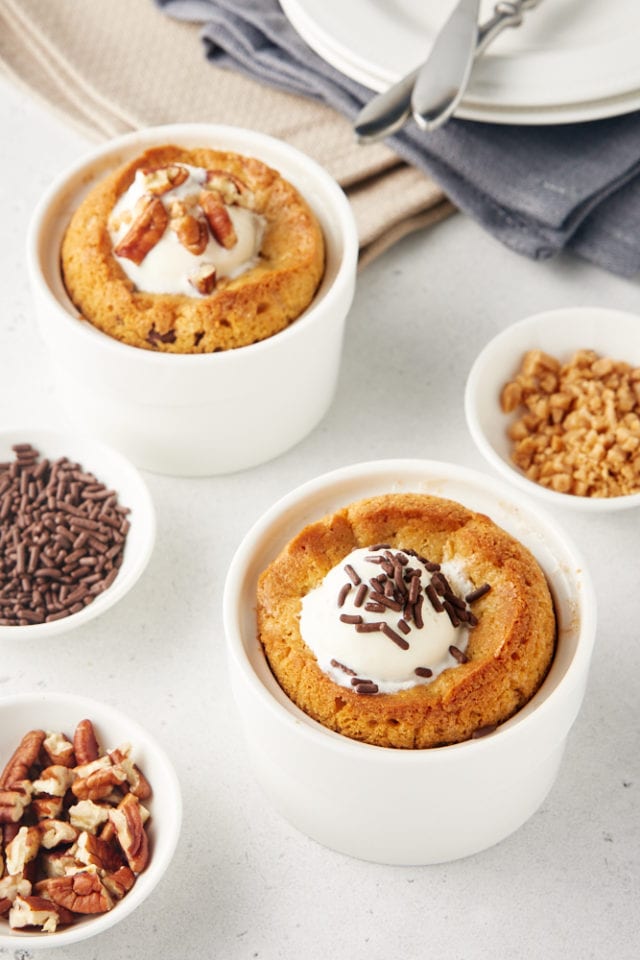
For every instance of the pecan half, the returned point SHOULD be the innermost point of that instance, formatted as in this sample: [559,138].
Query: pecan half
[24,757]
[218,218]
[81,892]
[85,743]
[149,223]
[129,826]
[163,179]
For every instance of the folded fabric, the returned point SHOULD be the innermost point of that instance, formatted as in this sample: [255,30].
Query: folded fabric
[136,67]
[537,189]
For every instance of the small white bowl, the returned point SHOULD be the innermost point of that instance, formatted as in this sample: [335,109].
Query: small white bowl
[115,471]
[560,333]
[204,414]
[61,713]
[405,806]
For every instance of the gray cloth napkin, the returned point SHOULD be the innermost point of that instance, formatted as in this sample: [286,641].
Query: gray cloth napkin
[538,189]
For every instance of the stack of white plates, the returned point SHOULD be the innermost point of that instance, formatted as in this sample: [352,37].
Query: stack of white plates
[571,60]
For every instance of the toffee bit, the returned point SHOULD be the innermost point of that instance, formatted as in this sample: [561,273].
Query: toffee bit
[367,689]
[478,592]
[392,635]
[353,576]
[360,596]
[350,618]
[344,591]
[457,654]
[423,672]
[340,666]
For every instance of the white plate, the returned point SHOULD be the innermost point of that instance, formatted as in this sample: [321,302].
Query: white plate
[572,60]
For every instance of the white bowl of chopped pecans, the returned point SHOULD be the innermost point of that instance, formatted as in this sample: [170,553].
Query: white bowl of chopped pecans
[407,805]
[553,404]
[77,528]
[90,814]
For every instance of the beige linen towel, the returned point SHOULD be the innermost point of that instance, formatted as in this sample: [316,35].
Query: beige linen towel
[111,67]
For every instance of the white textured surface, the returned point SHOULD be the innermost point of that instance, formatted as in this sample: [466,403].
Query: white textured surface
[243,883]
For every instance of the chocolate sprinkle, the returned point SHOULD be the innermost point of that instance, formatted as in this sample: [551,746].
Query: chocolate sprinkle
[341,666]
[353,576]
[458,655]
[350,618]
[367,688]
[423,672]
[479,592]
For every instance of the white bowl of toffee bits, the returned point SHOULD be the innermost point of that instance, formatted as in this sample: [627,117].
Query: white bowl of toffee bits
[409,644]
[77,528]
[192,283]
[553,404]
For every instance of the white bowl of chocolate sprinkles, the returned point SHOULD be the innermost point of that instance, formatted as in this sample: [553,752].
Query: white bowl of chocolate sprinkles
[77,527]
[420,806]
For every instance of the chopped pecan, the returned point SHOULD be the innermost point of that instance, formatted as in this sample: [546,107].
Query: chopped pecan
[23,759]
[191,232]
[162,179]
[119,882]
[99,783]
[81,892]
[218,218]
[138,784]
[128,821]
[85,743]
[47,808]
[14,802]
[22,849]
[35,911]
[102,854]
[87,815]
[149,223]
[54,781]
[204,279]
[59,750]
[232,189]
[58,863]
[12,885]
[55,832]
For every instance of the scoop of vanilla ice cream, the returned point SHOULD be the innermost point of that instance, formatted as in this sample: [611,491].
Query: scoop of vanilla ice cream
[394,643]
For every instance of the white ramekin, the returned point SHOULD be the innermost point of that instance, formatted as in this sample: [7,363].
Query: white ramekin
[199,414]
[399,806]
